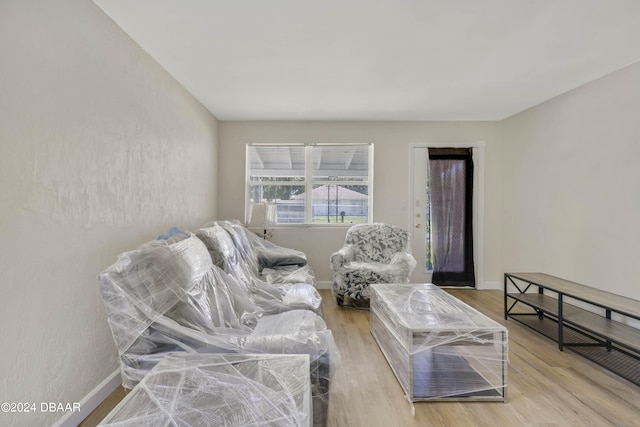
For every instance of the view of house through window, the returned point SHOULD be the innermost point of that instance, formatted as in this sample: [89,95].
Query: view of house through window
[311,183]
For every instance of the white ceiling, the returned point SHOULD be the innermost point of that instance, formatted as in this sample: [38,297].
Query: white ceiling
[381,59]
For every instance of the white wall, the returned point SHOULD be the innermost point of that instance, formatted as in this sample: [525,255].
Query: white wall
[391,182]
[571,185]
[100,151]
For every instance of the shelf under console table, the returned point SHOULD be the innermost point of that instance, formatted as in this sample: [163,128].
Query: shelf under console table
[589,321]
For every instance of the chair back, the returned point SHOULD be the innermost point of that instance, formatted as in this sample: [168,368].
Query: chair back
[377,242]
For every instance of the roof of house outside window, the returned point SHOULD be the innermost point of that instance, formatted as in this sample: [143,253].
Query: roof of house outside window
[342,193]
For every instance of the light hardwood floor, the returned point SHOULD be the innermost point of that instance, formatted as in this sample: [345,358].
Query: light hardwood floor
[546,387]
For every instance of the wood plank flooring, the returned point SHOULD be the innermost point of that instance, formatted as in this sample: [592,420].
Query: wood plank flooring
[546,387]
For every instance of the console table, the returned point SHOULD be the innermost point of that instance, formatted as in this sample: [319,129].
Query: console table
[593,323]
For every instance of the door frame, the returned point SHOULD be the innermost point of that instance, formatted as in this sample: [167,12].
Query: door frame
[478,197]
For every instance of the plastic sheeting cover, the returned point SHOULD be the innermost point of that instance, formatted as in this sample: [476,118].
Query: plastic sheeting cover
[172,280]
[221,391]
[295,331]
[167,296]
[285,288]
[272,255]
[263,253]
[372,253]
[301,331]
[438,346]
[288,274]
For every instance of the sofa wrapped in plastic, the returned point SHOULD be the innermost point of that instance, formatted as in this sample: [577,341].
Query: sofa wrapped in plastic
[158,300]
[372,253]
[300,332]
[279,288]
[167,296]
[220,390]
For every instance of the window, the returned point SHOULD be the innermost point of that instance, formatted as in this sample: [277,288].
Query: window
[311,183]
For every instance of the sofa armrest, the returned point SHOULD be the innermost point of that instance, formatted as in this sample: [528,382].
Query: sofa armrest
[289,274]
[277,256]
[270,255]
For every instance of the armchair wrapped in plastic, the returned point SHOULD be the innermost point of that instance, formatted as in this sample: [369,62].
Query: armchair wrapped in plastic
[167,296]
[372,253]
[285,287]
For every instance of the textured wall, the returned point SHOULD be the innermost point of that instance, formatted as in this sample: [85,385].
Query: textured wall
[100,150]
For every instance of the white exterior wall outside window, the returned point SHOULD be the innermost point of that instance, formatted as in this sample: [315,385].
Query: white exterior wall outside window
[311,183]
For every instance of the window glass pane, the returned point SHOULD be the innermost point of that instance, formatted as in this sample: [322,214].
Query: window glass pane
[270,162]
[290,211]
[341,162]
[288,201]
[333,203]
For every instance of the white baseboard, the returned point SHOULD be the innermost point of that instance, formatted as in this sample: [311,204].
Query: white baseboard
[492,285]
[484,285]
[91,401]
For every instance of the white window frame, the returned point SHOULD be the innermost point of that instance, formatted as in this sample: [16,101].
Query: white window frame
[309,182]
